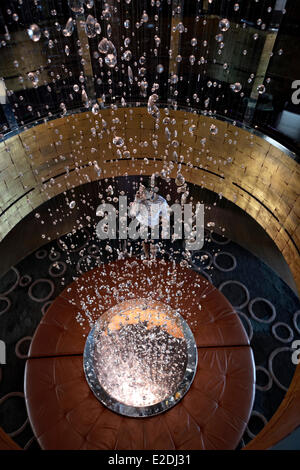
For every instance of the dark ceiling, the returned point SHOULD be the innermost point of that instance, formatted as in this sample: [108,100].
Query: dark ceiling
[198,68]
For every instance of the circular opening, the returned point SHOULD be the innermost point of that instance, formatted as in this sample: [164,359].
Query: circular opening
[22,347]
[41,254]
[262,310]
[140,358]
[41,290]
[283,332]
[225,261]
[236,292]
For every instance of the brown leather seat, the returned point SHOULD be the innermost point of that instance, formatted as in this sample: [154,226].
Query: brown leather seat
[216,324]
[65,414]
[213,415]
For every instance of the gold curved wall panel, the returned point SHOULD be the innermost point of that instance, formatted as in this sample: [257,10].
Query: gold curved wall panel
[243,167]
[6,442]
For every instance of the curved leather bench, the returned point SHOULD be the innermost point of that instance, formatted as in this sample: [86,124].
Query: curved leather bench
[216,324]
[63,411]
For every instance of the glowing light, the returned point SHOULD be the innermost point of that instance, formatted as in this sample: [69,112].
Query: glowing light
[139,354]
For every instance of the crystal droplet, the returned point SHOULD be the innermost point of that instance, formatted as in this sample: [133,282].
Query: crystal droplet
[213,129]
[89,3]
[145,17]
[69,28]
[110,60]
[90,27]
[157,41]
[33,77]
[6,35]
[95,108]
[106,47]
[127,55]
[118,141]
[236,87]
[106,13]
[179,180]
[130,74]
[98,28]
[85,99]
[143,87]
[224,24]
[180,27]
[34,32]
[151,106]
[261,89]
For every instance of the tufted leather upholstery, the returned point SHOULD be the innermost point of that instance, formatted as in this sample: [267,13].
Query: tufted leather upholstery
[213,415]
[216,324]
[65,414]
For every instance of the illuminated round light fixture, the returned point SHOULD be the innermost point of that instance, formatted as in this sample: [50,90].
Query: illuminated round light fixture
[140,358]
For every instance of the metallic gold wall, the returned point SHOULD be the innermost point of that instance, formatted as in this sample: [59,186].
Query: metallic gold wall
[243,167]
